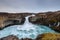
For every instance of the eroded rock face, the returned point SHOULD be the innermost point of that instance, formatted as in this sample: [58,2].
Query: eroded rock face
[45,18]
[37,20]
[11,37]
[48,36]
[50,19]
[33,19]
[8,19]
[56,28]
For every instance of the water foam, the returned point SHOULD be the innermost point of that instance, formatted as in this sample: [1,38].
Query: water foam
[27,30]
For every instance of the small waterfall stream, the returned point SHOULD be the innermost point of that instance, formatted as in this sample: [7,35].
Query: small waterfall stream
[27,30]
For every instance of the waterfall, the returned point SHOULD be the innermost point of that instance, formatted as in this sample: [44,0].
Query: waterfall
[27,30]
[27,25]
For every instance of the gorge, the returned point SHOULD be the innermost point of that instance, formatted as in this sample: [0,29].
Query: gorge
[26,26]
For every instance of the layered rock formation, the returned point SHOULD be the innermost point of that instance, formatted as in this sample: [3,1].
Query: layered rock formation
[8,19]
[50,19]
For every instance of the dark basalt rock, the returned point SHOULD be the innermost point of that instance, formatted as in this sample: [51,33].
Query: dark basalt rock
[10,37]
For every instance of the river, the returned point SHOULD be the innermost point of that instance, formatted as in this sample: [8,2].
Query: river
[27,30]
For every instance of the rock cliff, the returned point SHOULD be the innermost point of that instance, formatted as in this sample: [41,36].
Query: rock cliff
[8,19]
[50,19]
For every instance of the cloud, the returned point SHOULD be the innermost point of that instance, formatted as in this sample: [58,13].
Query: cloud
[29,5]
[4,8]
[18,5]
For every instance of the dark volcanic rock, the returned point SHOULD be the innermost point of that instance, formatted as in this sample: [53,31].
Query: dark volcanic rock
[11,37]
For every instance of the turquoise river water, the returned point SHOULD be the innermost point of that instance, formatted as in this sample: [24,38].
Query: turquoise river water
[27,30]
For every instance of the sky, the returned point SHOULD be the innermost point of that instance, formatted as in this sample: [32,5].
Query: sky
[29,5]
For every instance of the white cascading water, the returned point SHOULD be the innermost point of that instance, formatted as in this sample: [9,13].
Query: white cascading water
[27,25]
[27,30]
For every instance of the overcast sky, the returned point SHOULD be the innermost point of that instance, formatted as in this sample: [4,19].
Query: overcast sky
[29,5]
